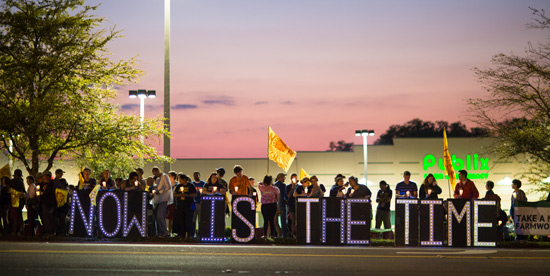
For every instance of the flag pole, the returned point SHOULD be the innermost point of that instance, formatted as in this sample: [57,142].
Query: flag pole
[267,159]
[449,183]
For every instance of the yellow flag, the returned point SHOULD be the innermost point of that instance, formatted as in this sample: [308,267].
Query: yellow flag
[80,180]
[5,171]
[61,197]
[448,163]
[279,152]
[93,194]
[15,196]
[303,174]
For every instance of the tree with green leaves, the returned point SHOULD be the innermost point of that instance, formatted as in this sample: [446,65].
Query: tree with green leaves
[56,89]
[419,128]
[516,107]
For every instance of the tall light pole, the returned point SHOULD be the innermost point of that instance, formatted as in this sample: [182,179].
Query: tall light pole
[167,81]
[142,94]
[365,133]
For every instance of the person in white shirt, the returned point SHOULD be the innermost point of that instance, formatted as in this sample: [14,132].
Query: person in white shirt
[164,190]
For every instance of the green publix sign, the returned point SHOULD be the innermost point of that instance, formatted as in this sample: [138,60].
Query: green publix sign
[471,162]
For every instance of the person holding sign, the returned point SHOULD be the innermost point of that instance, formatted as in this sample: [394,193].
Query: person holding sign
[239,184]
[213,186]
[406,188]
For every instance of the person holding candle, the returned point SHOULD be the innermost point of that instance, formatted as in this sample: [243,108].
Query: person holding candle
[316,190]
[429,188]
[304,189]
[199,184]
[406,188]
[270,197]
[239,184]
[465,188]
[184,194]
[290,190]
[254,191]
[213,186]
[131,184]
[338,189]
[359,191]
[107,183]
[383,198]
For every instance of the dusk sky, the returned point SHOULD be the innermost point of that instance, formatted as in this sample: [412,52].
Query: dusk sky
[313,70]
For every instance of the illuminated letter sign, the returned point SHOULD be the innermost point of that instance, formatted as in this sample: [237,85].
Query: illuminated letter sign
[82,225]
[358,219]
[212,219]
[107,222]
[459,230]
[406,222]
[137,210]
[243,219]
[308,220]
[431,222]
[486,212]
[334,214]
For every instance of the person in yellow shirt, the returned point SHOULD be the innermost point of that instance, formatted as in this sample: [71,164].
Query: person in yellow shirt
[239,184]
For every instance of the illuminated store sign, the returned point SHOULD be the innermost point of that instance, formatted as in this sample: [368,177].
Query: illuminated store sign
[471,162]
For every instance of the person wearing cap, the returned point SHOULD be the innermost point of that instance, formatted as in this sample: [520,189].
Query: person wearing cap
[290,189]
[281,207]
[239,184]
[406,188]
[15,213]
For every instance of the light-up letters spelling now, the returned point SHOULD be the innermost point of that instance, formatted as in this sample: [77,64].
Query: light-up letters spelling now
[117,210]
[471,162]
[469,223]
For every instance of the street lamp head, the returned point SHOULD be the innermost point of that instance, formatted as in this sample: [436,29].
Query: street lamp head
[371,132]
[132,94]
[142,93]
[357,133]
[151,94]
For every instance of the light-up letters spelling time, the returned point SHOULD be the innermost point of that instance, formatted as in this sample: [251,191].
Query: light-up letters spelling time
[118,209]
[308,201]
[431,203]
[453,212]
[243,219]
[478,224]
[213,200]
[355,222]
[341,220]
[88,221]
[471,162]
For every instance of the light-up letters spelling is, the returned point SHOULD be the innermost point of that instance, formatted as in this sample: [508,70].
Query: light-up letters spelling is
[431,241]
[355,222]
[341,220]
[453,212]
[212,213]
[88,221]
[101,226]
[407,202]
[478,224]
[308,201]
[241,217]
[134,221]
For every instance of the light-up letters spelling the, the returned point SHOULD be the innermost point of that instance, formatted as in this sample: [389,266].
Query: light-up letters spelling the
[118,208]
[478,224]
[341,220]
[355,222]
[241,217]
[134,221]
[453,212]
[407,202]
[212,213]
[88,221]
[431,241]
[308,201]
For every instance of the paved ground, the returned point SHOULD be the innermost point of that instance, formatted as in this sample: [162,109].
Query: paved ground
[26,258]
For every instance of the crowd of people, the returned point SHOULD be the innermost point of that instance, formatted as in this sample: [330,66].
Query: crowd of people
[174,198]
